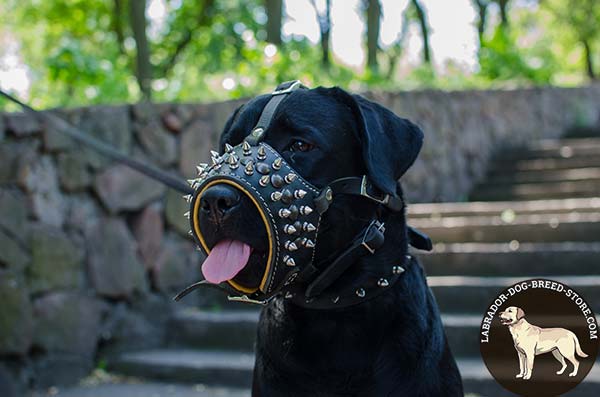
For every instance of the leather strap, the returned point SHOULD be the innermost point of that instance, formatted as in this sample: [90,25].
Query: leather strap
[361,186]
[281,92]
[366,243]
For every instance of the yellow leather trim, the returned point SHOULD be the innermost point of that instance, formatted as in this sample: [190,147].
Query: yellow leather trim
[196,226]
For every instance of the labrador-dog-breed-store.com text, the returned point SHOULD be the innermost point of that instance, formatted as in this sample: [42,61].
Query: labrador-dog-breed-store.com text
[301,210]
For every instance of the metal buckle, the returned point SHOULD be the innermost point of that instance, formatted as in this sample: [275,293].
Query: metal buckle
[363,192]
[245,299]
[295,85]
[380,227]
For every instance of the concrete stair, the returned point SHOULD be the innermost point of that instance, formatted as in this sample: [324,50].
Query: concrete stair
[480,248]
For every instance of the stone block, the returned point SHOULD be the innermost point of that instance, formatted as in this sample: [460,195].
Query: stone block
[58,370]
[175,207]
[122,188]
[21,124]
[178,266]
[13,213]
[157,142]
[73,171]
[197,140]
[14,156]
[16,319]
[148,229]
[12,255]
[56,260]
[114,268]
[67,322]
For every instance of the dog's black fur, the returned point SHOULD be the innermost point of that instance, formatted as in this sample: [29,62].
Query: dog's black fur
[391,345]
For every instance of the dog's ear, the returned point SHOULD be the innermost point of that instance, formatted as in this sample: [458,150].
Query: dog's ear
[520,313]
[390,144]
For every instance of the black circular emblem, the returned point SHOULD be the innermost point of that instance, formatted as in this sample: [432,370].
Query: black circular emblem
[539,337]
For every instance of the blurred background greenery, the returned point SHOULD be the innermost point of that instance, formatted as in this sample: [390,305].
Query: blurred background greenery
[77,52]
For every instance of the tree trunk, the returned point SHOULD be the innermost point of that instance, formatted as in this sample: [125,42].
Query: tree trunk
[481,6]
[143,71]
[503,4]
[424,31]
[589,62]
[274,10]
[324,21]
[373,25]
[118,25]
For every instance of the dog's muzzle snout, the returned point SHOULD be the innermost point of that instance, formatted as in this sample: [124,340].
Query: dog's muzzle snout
[218,201]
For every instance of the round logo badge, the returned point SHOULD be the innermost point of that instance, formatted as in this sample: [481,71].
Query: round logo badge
[539,338]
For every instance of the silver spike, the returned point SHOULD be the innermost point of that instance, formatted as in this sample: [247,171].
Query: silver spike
[192,182]
[309,244]
[249,168]
[305,210]
[289,178]
[360,293]
[262,153]
[214,153]
[382,282]
[214,160]
[187,214]
[284,213]
[308,227]
[289,261]
[290,246]
[289,229]
[200,168]
[277,163]
[190,233]
[299,193]
[397,269]
[228,147]
[264,180]
[276,196]
[246,148]
[188,197]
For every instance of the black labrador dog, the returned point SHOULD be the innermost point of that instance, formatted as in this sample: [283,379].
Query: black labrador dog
[391,345]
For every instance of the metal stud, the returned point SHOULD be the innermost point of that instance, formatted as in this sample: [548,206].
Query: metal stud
[294,212]
[187,214]
[264,180]
[289,261]
[382,282]
[188,197]
[263,168]
[305,210]
[200,168]
[284,213]
[276,196]
[287,196]
[309,243]
[277,181]
[407,256]
[233,161]
[249,168]
[214,153]
[397,269]
[289,229]
[190,233]
[228,147]
[299,193]
[308,227]
[288,295]
[192,182]
[291,177]
[290,246]
[257,132]
[214,160]
[360,293]
[246,148]
[277,163]
[262,153]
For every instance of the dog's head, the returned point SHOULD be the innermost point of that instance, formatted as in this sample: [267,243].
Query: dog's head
[323,134]
[511,315]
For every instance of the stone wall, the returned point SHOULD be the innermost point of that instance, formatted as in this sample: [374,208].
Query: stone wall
[91,252]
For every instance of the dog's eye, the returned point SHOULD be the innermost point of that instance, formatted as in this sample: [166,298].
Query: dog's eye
[301,146]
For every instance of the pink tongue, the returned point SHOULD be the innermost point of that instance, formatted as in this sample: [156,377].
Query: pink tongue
[226,259]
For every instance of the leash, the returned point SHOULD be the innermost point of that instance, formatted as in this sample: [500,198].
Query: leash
[66,128]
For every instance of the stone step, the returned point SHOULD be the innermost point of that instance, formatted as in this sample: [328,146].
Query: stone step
[236,330]
[552,149]
[536,191]
[437,211]
[141,388]
[235,370]
[500,167]
[541,176]
[555,144]
[509,227]
[505,259]
[468,294]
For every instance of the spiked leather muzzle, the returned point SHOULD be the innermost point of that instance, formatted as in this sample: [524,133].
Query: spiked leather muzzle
[285,201]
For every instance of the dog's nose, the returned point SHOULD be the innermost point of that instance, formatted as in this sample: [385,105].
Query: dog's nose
[219,200]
